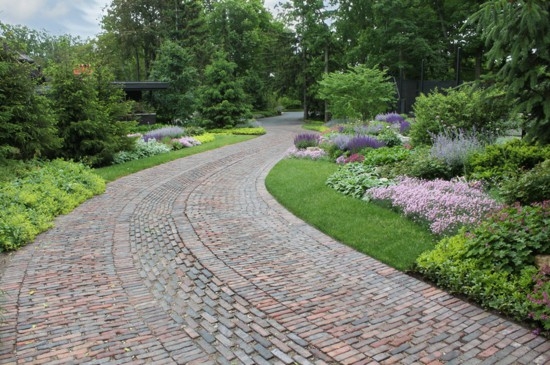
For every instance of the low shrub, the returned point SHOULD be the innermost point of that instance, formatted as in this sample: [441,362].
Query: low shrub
[356,157]
[499,162]
[205,137]
[509,239]
[385,156]
[420,164]
[540,299]
[530,187]
[445,206]
[354,179]
[29,204]
[389,138]
[449,267]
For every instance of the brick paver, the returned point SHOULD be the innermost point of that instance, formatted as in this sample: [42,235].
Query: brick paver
[193,262]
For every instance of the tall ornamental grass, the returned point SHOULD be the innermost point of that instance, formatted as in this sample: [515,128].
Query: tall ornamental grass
[444,205]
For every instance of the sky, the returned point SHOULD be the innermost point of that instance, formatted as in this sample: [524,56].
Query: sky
[57,17]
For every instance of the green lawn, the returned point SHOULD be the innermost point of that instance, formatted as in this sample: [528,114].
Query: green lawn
[299,185]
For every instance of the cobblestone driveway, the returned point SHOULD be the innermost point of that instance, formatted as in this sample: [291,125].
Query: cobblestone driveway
[193,262]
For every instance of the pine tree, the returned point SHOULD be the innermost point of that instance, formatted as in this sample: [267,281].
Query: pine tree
[517,34]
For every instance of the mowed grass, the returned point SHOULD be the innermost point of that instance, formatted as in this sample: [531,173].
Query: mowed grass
[383,234]
[111,173]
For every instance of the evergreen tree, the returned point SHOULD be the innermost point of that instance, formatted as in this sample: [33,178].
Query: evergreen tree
[27,124]
[516,33]
[223,101]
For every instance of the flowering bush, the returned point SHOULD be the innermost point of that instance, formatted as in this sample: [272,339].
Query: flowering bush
[313,153]
[392,118]
[161,133]
[354,179]
[142,149]
[444,205]
[306,140]
[340,140]
[404,127]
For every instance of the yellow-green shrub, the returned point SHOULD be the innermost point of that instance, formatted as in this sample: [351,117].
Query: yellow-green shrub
[205,137]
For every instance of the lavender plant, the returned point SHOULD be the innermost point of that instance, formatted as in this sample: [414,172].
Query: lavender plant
[359,143]
[454,147]
[305,140]
[444,205]
[161,133]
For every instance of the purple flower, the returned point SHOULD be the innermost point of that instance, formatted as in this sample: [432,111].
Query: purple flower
[359,143]
[161,133]
[392,118]
[306,140]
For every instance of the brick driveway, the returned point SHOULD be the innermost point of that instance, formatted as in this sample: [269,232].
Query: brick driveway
[193,262]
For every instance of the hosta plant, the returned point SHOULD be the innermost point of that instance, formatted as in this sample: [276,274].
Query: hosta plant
[355,178]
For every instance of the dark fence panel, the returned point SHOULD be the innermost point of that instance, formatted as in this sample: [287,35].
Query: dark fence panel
[408,90]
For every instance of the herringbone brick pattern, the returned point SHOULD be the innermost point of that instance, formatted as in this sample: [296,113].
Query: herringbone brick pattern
[193,262]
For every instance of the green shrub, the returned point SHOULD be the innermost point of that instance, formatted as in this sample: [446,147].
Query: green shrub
[385,155]
[449,266]
[509,239]
[389,137]
[466,108]
[530,187]
[354,179]
[29,204]
[421,164]
[141,150]
[499,162]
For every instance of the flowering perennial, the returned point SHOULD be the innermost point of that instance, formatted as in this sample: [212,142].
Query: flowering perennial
[358,143]
[187,141]
[313,153]
[161,133]
[445,205]
[454,147]
[305,140]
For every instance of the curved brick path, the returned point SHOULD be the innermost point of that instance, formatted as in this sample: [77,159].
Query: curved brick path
[193,262]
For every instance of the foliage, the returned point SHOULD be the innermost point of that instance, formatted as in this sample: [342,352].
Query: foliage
[420,164]
[389,137]
[499,162]
[205,137]
[530,187]
[540,299]
[89,110]
[509,238]
[141,150]
[223,101]
[444,205]
[173,64]
[454,147]
[361,92]
[305,140]
[27,124]
[355,178]
[465,108]
[516,34]
[355,157]
[312,153]
[29,204]
[385,156]
[448,266]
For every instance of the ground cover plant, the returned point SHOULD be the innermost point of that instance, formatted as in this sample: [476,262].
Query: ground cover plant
[30,202]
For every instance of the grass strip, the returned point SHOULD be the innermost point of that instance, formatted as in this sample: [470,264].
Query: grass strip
[299,185]
[113,172]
